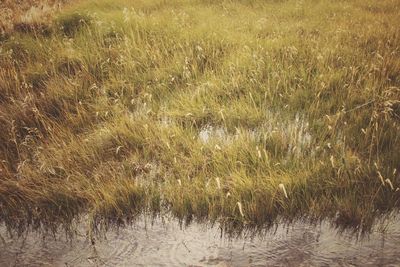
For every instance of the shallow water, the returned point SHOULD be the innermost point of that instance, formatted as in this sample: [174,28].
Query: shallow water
[168,244]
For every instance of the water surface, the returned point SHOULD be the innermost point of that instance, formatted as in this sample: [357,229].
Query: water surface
[166,243]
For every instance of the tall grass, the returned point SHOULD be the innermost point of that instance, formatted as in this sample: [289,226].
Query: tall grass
[241,112]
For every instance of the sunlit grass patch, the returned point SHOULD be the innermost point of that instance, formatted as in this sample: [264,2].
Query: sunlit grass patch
[239,112]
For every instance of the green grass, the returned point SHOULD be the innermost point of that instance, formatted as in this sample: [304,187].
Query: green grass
[203,109]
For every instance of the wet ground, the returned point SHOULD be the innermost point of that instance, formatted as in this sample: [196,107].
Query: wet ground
[168,244]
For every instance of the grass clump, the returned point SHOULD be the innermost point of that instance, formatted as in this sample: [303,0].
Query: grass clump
[241,112]
[70,24]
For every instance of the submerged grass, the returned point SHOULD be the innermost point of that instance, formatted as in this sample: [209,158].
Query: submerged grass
[241,112]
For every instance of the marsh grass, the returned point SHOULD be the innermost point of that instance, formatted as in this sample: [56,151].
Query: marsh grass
[238,112]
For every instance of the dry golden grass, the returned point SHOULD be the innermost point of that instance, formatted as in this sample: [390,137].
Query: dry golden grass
[241,112]
[27,13]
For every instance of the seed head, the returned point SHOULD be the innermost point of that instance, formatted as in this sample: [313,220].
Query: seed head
[282,187]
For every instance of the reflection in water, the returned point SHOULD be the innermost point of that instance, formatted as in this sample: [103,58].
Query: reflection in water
[165,243]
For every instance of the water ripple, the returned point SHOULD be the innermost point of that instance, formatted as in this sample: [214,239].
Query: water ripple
[167,244]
